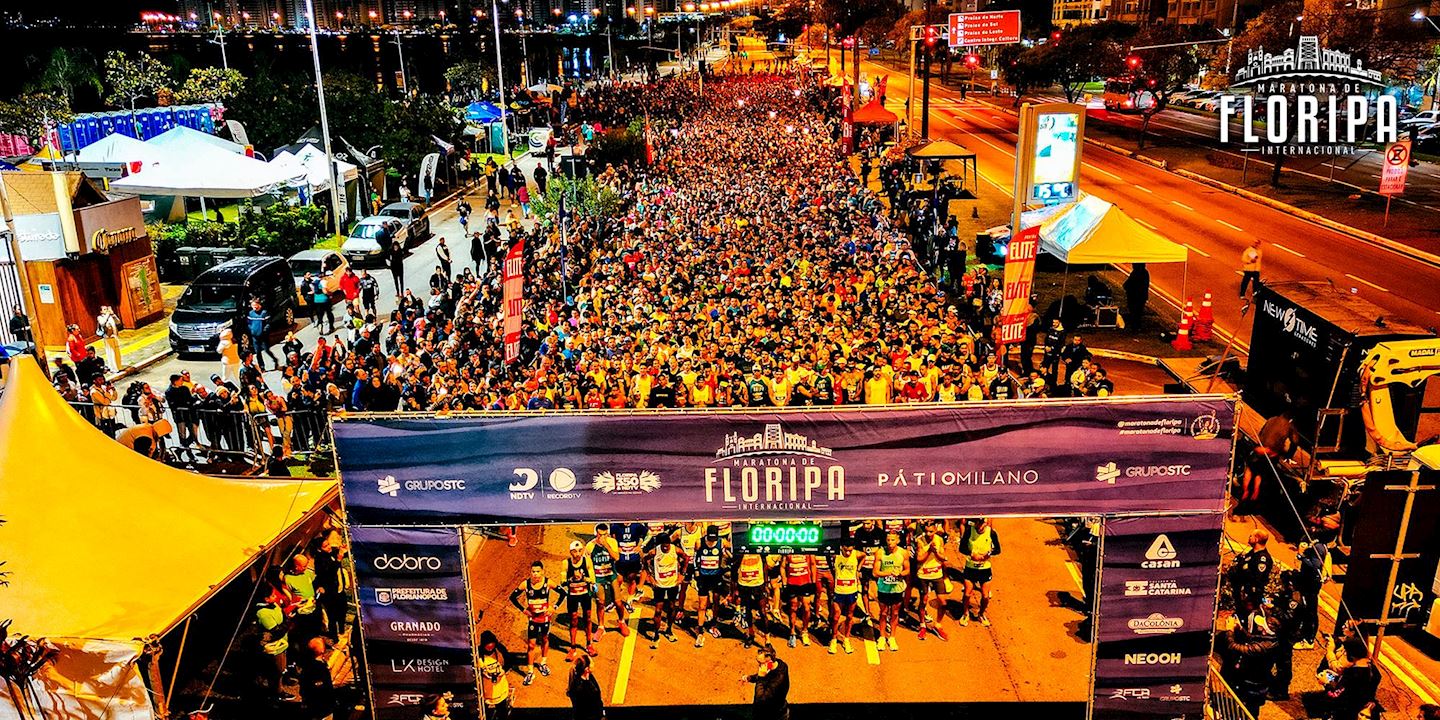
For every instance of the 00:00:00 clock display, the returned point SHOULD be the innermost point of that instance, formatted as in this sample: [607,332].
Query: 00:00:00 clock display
[785,534]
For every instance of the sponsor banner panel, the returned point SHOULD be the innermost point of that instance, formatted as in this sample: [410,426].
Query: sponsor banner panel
[414,618]
[1113,456]
[1157,605]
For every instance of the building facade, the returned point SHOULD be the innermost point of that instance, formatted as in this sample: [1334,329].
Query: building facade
[1070,13]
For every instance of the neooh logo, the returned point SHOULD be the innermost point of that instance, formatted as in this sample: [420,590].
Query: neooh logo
[1312,100]
[1161,554]
[412,563]
[774,470]
[1168,658]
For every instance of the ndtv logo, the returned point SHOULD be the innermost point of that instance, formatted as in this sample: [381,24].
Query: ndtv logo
[1170,658]
[407,562]
[1161,554]
[1155,624]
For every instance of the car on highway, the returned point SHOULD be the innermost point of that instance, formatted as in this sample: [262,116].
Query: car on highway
[1202,100]
[326,265]
[371,238]
[413,215]
[219,299]
[1424,117]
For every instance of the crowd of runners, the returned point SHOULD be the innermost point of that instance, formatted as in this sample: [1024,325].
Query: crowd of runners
[652,578]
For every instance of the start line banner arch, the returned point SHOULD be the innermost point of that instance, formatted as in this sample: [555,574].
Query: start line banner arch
[1155,468]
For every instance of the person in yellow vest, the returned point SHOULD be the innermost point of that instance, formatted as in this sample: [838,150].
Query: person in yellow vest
[494,687]
[846,566]
[665,564]
[930,578]
[892,566]
[978,543]
[274,637]
[750,581]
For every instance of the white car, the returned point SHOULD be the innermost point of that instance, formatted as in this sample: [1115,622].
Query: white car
[1425,117]
[371,238]
[327,265]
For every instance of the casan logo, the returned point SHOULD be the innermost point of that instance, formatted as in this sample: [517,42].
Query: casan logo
[407,562]
[1170,658]
[562,484]
[1292,323]
[1161,555]
[1155,624]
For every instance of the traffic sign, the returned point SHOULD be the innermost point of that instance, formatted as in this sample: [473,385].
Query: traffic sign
[1396,168]
[874,51]
[984,28]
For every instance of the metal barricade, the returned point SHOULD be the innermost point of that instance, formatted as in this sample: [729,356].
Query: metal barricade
[1221,701]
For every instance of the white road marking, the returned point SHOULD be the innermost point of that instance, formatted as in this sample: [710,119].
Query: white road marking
[1140,187]
[1286,249]
[1146,224]
[1102,172]
[1183,205]
[1196,250]
[1236,228]
[1365,282]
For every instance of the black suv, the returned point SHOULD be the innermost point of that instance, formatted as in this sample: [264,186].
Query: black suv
[220,298]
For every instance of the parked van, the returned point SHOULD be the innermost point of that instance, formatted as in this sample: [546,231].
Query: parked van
[220,298]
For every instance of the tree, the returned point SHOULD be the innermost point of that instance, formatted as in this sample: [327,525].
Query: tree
[1024,69]
[470,80]
[32,115]
[131,79]
[275,108]
[1165,70]
[65,72]
[1083,55]
[210,85]
[410,127]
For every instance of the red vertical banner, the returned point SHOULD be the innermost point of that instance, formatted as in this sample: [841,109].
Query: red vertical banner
[1019,280]
[514,299]
[649,144]
[847,124]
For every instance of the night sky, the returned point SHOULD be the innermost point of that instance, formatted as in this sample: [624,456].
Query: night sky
[89,11]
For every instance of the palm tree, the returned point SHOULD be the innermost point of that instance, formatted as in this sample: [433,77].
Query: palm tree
[65,72]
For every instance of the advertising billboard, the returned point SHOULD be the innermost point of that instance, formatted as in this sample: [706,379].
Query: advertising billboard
[1047,155]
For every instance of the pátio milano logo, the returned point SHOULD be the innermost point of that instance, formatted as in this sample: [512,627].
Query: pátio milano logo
[1308,100]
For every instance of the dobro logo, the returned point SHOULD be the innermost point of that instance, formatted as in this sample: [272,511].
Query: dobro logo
[407,562]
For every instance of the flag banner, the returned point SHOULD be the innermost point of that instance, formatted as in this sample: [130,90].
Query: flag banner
[513,289]
[1019,281]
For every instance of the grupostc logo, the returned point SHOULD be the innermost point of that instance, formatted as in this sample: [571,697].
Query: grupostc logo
[1107,473]
[389,486]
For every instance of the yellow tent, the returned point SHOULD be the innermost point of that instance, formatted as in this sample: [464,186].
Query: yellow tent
[107,548]
[1095,232]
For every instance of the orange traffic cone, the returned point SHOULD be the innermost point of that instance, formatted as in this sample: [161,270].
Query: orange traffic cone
[1205,321]
[1182,333]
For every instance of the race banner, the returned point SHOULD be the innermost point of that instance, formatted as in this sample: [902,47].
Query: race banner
[414,619]
[1166,454]
[1019,280]
[1158,582]
[514,299]
[847,123]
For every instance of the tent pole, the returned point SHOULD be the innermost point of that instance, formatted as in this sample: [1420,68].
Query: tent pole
[180,653]
[203,214]
[1184,283]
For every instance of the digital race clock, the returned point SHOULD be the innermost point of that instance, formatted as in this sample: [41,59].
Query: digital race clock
[786,538]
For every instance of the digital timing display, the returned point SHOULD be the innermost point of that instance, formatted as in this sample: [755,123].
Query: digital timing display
[786,538]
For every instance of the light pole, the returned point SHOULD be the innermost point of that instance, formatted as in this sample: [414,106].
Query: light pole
[500,78]
[336,192]
[220,35]
[404,78]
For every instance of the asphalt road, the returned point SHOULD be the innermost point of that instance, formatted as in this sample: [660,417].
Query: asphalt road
[1214,225]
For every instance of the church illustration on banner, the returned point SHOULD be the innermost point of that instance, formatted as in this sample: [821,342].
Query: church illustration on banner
[1306,59]
[772,441]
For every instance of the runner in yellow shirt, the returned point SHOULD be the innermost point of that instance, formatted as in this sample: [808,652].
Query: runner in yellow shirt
[846,566]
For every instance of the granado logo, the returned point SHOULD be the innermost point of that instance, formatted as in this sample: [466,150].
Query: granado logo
[1313,101]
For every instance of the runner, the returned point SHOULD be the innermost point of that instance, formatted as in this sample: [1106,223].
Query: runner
[845,598]
[868,538]
[892,566]
[979,543]
[603,554]
[930,576]
[665,565]
[751,585]
[824,591]
[536,607]
[628,539]
[688,536]
[579,599]
[799,595]
[494,688]
[711,559]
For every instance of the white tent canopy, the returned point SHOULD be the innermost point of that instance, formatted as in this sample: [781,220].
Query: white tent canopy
[185,139]
[208,171]
[1092,231]
[117,148]
[312,161]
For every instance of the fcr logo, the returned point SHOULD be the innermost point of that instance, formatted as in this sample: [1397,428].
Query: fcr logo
[413,563]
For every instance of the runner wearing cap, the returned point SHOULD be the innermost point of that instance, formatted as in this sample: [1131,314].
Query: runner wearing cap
[579,589]
[711,559]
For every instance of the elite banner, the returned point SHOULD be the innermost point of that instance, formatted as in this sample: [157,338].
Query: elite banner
[513,289]
[1019,281]
[414,618]
[1158,582]
[1163,454]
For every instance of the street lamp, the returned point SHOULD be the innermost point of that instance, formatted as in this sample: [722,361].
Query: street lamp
[274,19]
[500,76]
[336,192]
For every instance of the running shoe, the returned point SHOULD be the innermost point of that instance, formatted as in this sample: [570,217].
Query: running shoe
[670,636]
[792,641]
[624,629]
[848,647]
[544,669]
[591,651]
[1305,645]
[742,623]
[529,677]
[571,655]
[700,640]
[714,631]
[805,639]
[893,646]
[940,632]
[512,542]
[921,635]
[985,620]
[600,632]
[965,620]
[610,607]
[630,607]
[880,644]
[834,647]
